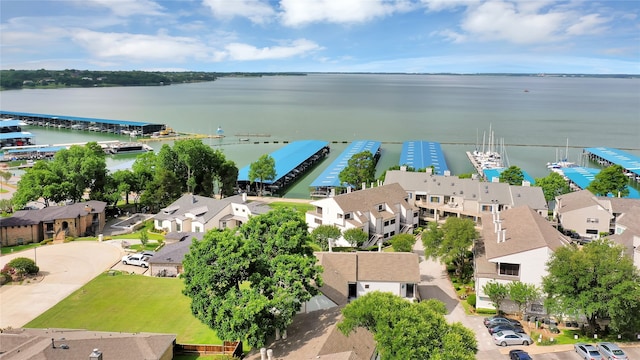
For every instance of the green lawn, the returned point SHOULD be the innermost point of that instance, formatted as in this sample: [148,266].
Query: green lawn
[129,303]
[11,249]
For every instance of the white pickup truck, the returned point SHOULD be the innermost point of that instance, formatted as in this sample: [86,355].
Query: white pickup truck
[136,259]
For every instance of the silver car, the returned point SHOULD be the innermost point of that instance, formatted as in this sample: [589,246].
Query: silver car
[611,351]
[587,351]
[508,337]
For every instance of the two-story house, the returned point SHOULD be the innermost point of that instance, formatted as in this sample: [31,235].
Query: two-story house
[381,212]
[627,233]
[53,222]
[515,245]
[440,196]
[194,213]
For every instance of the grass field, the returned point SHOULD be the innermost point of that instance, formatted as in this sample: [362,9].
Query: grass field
[129,303]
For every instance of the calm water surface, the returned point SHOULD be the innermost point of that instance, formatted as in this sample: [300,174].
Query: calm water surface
[534,115]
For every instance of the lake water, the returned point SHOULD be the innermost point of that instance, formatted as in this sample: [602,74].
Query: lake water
[534,115]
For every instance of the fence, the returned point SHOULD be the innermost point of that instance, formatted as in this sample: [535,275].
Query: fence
[232,348]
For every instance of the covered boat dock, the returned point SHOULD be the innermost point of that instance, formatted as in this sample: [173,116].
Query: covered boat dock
[423,154]
[11,134]
[609,156]
[491,174]
[134,128]
[325,184]
[580,177]
[291,162]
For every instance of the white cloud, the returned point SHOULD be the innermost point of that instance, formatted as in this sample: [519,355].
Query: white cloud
[136,47]
[439,5]
[588,24]
[255,10]
[299,13]
[450,35]
[244,52]
[127,7]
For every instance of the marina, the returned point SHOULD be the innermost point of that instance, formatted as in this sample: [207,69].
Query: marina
[124,127]
[605,156]
[11,134]
[291,162]
[423,154]
[326,184]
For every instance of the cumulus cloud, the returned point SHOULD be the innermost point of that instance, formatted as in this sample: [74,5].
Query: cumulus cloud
[244,52]
[138,47]
[257,11]
[299,13]
[127,7]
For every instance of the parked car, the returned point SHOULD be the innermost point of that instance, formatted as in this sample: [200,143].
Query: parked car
[136,259]
[611,351]
[148,253]
[587,351]
[502,327]
[508,337]
[518,354]
[499,320]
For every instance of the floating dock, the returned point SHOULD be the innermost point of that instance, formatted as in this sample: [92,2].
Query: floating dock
[609,156]
[423,154]
[135,128]
[292,161]
[328,180]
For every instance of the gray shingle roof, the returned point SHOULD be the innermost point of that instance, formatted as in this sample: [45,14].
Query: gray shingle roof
[51,213]
[173,253]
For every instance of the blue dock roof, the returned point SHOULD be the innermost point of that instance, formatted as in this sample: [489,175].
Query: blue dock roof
[15,135]
[423,154]
[491,173]
[329,177]
[80,119]
[582,177]
[288,158]
[39,149]
[616,156]
[11,122]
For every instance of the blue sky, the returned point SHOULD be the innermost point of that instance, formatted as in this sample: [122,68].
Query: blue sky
[458,36]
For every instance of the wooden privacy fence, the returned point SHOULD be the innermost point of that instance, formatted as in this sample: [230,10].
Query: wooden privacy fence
[232,348]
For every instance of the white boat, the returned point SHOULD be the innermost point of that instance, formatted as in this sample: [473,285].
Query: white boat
[488,157]
[127,148]
[561,163]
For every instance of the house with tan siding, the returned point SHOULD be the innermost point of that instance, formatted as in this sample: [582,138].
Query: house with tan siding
[440,196]
[53,222]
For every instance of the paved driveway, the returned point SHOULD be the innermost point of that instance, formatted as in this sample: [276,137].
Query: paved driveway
[65,268]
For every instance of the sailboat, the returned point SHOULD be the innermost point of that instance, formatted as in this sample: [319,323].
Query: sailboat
[561,163]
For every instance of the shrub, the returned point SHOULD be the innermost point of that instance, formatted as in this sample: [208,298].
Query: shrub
[471,300]
[486,311]
[24,265]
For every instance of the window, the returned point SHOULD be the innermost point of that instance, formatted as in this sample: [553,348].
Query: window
[592,231]
[353,290]
[393,221]
[592,220]
[380,207]
[197,229]
[366,286]
[223,225]
[318,210]
[347,216]
[178,227]
[317,221]
[339,216]
[392,233]
[434,199]
[486,208]
[410,291]
[509,269]
[386,223]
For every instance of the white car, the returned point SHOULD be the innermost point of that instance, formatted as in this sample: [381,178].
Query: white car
[136,259]
[611,351]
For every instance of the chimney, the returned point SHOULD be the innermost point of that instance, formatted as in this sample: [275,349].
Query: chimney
[403,168]
[504,235]
[447,173]
[193,199]
[364,185]
[95,355]
[244,197]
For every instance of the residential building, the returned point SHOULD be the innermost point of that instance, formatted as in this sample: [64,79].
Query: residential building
[627,233]
[349,275]
[167,262]
[440,196]
[515,245]
[381,212]
[195,213]
[70,344]
[589,215]
[53,222]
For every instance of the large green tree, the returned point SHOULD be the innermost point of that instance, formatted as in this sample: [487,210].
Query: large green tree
[361,168]
[553,185]
[512,175]
[597,281]
[406,330]
[496,292]
[245,283]
[451,243]
[403,242]
[355,237]
[611,180]
[262,169]
[324,235]
[523,294]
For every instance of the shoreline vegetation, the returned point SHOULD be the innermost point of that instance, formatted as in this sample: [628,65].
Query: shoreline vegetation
[69,78]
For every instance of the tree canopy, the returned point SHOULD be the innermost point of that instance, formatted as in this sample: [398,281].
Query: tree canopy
[512,175]
[523,294]
[245,283]
[406,330]
[611,180]
[553,185]
[598,281]
[497,292]
[355,237]
[451,243]
[262,169]
[324,235]
[361,168]
[403,242]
